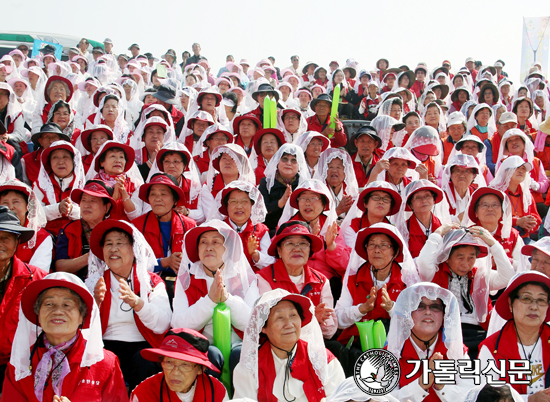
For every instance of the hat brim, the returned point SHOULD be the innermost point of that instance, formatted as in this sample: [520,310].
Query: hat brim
[502,306]
[144,191]
[304,302]
[162,97]
[269,92]
[62,79]
[191,241]
[128,151]
[394,194]
[438,195]
[316,242]
[25,234]
[259,135]
[314,102]
[31,292]
[364,233]
[480,192]
[296,193]
[85,137]
[77,193]
[35,137]
[248,116]
[99,231]
[153,355]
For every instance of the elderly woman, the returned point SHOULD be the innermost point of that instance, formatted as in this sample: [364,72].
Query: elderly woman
[525,335]
[375,204]
[243,206]
[457,183]
[456,260]
[62,115]
[20,199]
[195,125]
[481,122]
[153,137]
[394,166]
[244,129]
[267,142]
[313,144]
[284,172]
[91,140]
[425,144]
[292,123]
[183,358]
[336,170]
[133,304]
[522,107]
[512,179]
[214,136]
[426,325]
[11,114]
[283,356]
[214,271]
[61,172]
[57,363]
[73,243]
[56,88]
[111,113]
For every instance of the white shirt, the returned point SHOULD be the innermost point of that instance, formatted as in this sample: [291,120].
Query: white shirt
[42,256]
[52,210]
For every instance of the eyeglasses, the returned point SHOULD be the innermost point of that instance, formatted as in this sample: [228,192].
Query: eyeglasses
[182,368]
[291,117]
[239,202]
[291,246]
[382,247]
[485,205]
[309,200]
[385,200]
[293,161]
[436,307]
[525,299]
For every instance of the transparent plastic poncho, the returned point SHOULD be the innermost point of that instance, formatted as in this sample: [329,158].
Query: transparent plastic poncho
[272,167]
[258,211]
[504,175]
[328,155]
[491,125]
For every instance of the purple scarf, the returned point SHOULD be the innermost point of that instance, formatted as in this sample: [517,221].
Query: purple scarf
[60,365]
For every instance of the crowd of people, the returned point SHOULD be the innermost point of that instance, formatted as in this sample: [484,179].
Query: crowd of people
[141,198]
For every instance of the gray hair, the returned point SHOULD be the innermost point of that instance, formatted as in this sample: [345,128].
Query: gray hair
[82,307]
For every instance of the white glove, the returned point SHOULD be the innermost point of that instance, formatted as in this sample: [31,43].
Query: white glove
[534,186]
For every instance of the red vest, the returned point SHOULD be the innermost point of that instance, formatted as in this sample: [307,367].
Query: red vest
[186,187]
[338,140]
[535,176]
[118,211]
[154,388]
[202,161]
[148,225]
[259,230]
[32,164]
[360,174]
[495,145]
[155,340]
[22,274]
[359,286]
[480,135]
[471,189]
[260,170]
[25,253]
[55,226]
[87,162]
[363,222]
[301,369]
[218,185]
[417,236]
[504,345]
[447,149]
[278,278]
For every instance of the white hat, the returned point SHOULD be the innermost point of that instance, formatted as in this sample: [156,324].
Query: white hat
[507,117]
[456,118]
[468,59]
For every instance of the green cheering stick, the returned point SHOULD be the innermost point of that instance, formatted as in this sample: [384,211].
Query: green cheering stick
[273,108]
[267,112]
[221,320]
[334,109]
[365,334]
[378,335]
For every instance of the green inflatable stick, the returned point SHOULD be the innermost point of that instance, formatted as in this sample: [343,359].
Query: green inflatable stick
[273,119]
[379,335]
[267,112]
[334,109]
[221,320]
[365,334]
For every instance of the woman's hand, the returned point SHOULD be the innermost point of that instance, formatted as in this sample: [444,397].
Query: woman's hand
[253,244]
[381,165]
[285,196]
[368,306]
[128,296]
[65,207]
[323,313]
[527,222]
[422,171]
[174,261]
[121,186]
[387,303]
[431,378]
[60,399]
[344,205]
[330,236]
[218,293]
[483,234]
[540,396]
[99,291]
[446,228]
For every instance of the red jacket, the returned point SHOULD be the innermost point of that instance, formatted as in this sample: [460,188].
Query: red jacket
[516,199]
[360,174]
[25,253]
[417,237]
[55,226]
[154,340]
[22,274]
[32,164]
[101,382]
[418,88]
[260,170]
[302,370]
[87,162]
[155,389]
[176,115]
[480,135]
[338,140]
[359,286]
[259,230]
[118,211]
[202,161]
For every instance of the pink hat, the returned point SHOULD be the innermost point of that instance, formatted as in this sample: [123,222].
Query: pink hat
[230,66]
[91,81]
[17,52]
[245,62]
[15,80]
[76,58]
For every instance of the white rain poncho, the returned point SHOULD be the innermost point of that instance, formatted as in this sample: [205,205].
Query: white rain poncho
[272,167]
[440,209]
[504,175]
[26,100]
[318,187]
[121,130]
[442,126]
[36,217]
[305,139]
[133,105]
[137,141]
[38,91]
[246,173]
[399,153]
[426,135]
[194,107]
[529,152]
[258,211]
[480,158]
[383,126]
[421,107]
[464,161]
[27,334]
[402,322]
[466,106]
[505,220]
[491,126]
[321,173]
[546,107]
[191,93]
[14,110]
[186,131]
[385,107]
[69,130]
[237,275]
[289,137]
[200,147]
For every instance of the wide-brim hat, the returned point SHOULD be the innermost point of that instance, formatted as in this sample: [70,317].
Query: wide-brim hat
[411,75]
[309,63]
[182,344]
[494,90]
[427,149]
[320,98]
[210,91]
[371,132]
[297,229]
[394,194]
[47,152]
[86,134]
[379,60]
[519,100]
[260,133]
[186,155]
[95,188]
[166,94]
[480,192]
[444,89]
[304,302]
[33,290]
[366,232]
[63,80]
[249,116]
[454,95]
[158,122]
[163,179]
[191,241]
[316,73]
[268,89]
[296,193]
[128,151]
[502,306]
[352,71]
[9,222]
[100,229]
[435,190]
[545,126]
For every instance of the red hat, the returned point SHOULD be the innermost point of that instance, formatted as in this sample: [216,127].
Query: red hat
[192,241]
[480,192]
[33,290]
[100,229]
[260,133]
[290,110]
[296,193]
[164,179]
[248,116]
[435,190]
[394,194]
[62,79]
[303,302]
[6,150]
[216,162]
[95,188]
[211,91]
[295,228]
[366,232]
[156,122]
[182,344]
[502,306]
[208,119]
[186,155]
[128,151]
[86,134]
[220,130]
[226,191]
[427,149]
[97,93]
[324,140]
[46,154]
